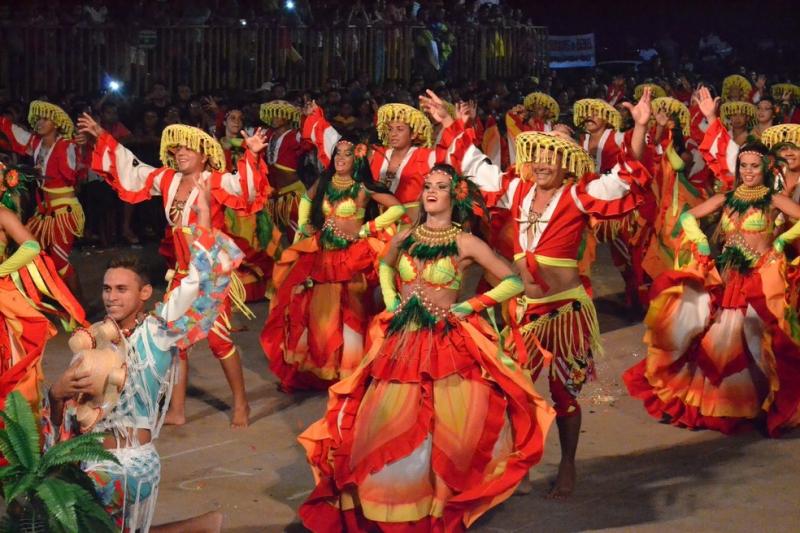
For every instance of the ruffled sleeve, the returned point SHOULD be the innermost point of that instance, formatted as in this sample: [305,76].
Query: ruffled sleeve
[192,307]
[614,193]
[19,138]
[133,180]
[245,190]
[720,152]
[319,131]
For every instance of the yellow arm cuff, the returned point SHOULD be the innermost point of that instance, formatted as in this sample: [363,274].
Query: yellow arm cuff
[26,253]
[787,236]
[693,233]
[386,276]
[303,216]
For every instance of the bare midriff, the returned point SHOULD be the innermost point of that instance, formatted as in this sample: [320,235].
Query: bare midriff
[140,436]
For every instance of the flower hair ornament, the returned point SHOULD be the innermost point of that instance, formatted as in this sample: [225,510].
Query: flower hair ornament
[464,194]
[360,153]
[12,182]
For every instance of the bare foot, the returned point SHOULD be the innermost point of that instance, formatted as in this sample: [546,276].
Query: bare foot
[524,488]
[565,482]
[174,418]
[240,418]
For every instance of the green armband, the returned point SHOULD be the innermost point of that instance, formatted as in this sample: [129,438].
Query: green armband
[693,233]
[26,253]
[389,217]
[786,237]
[303,216]
[508,288]
[386,276]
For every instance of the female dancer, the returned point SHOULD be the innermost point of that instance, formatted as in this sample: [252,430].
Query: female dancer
[314,334]
[436,425]
[29,288]
[721,351]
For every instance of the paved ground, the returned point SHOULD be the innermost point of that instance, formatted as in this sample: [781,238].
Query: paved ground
[634,474]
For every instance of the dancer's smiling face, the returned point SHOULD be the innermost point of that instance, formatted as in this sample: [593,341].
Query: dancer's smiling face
[436,193]
[189,161]
[750,170]
[344,159]
[124,293]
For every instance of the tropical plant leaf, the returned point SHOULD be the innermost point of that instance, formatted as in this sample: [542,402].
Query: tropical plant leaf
[7,449]
[86,447]
[59,497]
[18,437]
[18,408]
[94,516]
[23,483]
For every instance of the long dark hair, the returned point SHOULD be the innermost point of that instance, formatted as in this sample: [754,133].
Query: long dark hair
[361,173]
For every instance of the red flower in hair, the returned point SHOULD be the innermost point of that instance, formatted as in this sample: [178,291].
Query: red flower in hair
[361,150]
[12,178]
[462,190]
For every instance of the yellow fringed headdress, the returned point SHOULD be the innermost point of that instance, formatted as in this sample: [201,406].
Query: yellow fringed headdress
[781,134]
[41,109]
[540,147]
[779,88]
[544,100]
[589,107]
[735,81]
[671,106]
[280,109]
[421,127]
[728,109]
[194,139]
[656,91]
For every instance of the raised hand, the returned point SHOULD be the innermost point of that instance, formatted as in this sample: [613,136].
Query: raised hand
[256,142]
[641,111]
[86,124]
[436,108]
[707,104]
[467,111]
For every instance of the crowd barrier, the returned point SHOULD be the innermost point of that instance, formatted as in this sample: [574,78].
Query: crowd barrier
[37,60]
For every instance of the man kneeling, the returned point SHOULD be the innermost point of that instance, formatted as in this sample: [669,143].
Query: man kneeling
[149,344]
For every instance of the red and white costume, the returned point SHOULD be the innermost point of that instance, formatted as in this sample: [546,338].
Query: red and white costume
[56,222]
[559,329]
[136,182]
[406,183]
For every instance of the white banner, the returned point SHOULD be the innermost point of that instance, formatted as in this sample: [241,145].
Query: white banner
[567,51]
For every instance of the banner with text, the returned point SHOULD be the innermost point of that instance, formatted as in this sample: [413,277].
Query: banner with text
[568,51]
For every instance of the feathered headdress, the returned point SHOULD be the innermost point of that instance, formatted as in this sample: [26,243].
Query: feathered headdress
[421,127]
[544,100]
[589,107]
[656,91]
[194,139]
[781,134]
[779,88]
[41,109]
[673,107]
[280,109]
[728,109]
[735,81]
[540,147]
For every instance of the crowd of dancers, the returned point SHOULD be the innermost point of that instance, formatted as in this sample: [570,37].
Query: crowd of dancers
[432,415]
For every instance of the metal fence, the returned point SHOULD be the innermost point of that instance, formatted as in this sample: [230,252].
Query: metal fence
[57,59]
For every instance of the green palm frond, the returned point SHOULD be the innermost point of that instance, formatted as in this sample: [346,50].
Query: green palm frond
[19,486]
[92,516]
[18,409]
[20,442]
[7,449]
[59,498]
[86,447]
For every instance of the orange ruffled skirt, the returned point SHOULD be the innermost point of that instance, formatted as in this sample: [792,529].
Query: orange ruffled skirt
[721,356]
[314,334]
[429,432]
